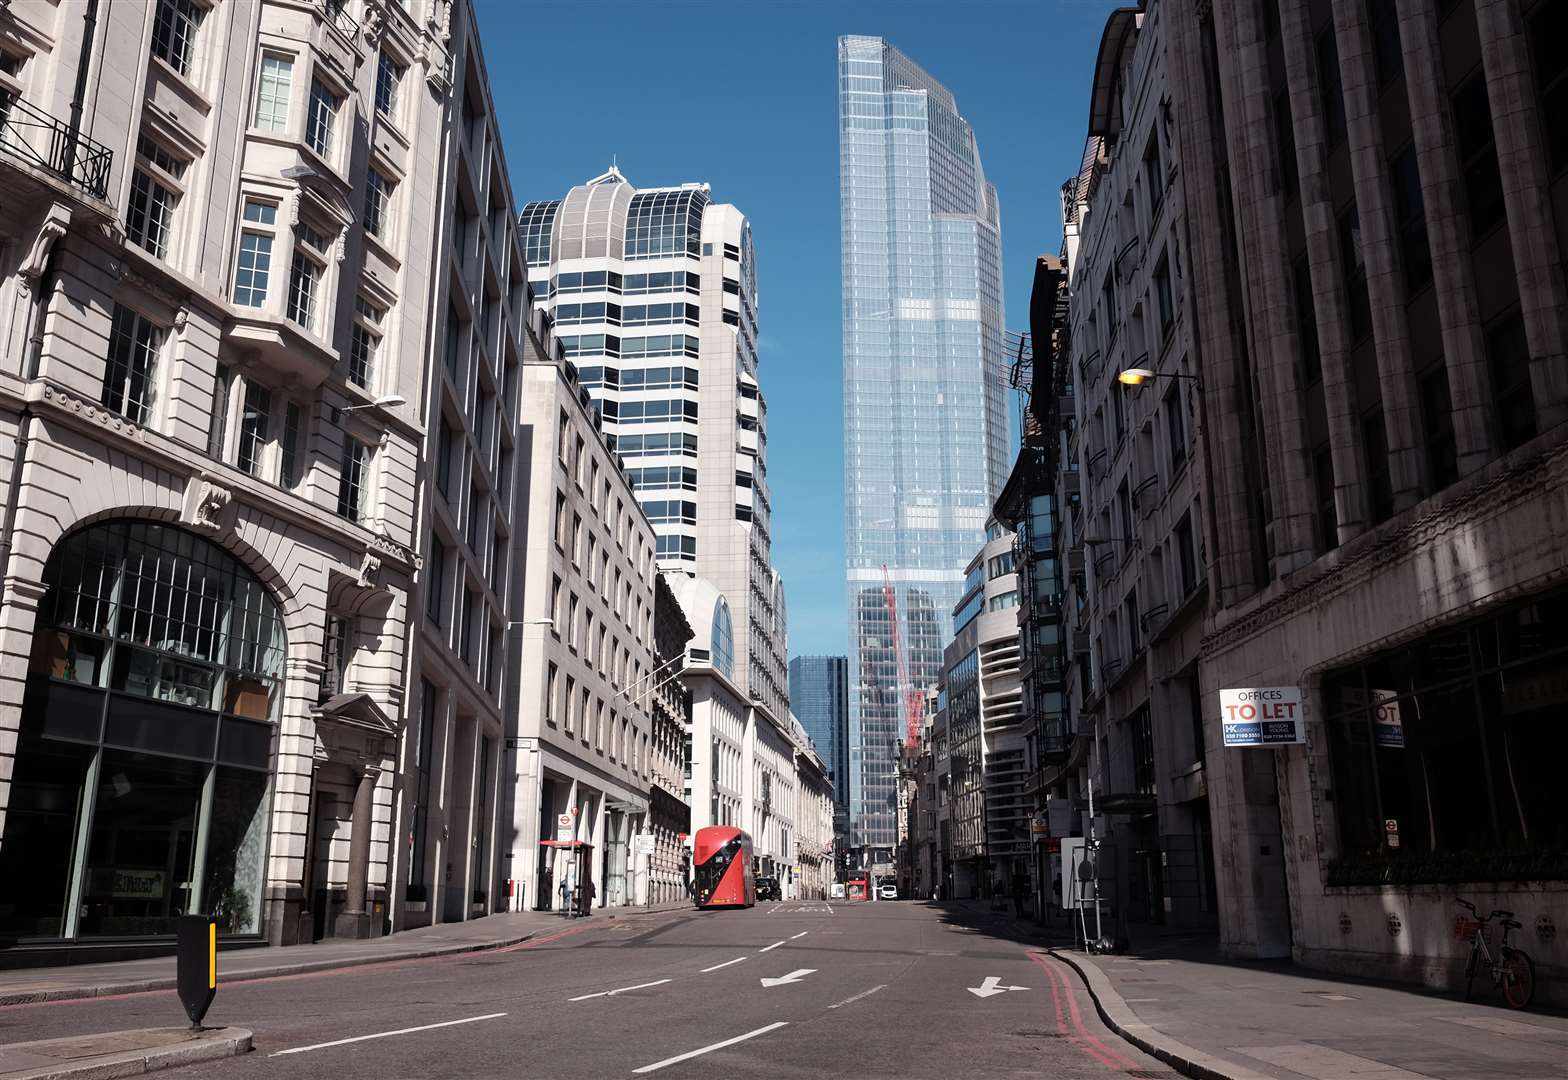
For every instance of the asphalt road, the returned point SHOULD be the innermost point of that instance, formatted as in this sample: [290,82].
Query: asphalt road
[784,990]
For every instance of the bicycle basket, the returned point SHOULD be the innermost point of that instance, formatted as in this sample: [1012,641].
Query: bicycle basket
[1465,928]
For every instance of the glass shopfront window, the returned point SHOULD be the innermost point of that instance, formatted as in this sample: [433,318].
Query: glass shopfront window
[143,771]
[1445,753]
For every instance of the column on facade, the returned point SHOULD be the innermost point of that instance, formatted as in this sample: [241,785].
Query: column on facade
[359,852]
[1385,276]
[18,615]
[1244,84]
[1330,304]
[1453,274]
[1224,449]
[294,785]
[1521,159]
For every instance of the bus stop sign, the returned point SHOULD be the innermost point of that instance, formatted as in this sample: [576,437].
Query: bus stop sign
[196,968]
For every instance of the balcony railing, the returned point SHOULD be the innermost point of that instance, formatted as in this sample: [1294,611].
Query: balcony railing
[31,135]
[336,13]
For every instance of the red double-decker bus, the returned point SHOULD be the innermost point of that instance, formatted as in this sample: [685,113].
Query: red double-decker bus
[721,867]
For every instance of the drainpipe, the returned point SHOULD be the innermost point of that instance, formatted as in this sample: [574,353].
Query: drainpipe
[45,289]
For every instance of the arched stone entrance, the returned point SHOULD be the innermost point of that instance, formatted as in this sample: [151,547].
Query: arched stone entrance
[144,763]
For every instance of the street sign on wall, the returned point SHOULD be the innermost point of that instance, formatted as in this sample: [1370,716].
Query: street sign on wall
[1262,716]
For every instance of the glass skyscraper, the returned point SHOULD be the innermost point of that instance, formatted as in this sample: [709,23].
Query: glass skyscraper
[819,698]
[925,426]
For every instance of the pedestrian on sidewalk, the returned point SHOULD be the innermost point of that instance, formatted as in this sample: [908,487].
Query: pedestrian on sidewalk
[566,893]
[1020,892]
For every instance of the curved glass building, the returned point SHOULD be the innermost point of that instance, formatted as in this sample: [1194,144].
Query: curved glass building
[925,428]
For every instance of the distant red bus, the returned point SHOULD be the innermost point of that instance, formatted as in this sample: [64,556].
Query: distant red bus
[721,867]
[858,888]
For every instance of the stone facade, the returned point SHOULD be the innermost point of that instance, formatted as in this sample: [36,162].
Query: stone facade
[1377,237]
[212,312]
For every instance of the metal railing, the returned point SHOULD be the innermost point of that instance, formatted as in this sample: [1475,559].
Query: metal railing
[30,135]
[336,13]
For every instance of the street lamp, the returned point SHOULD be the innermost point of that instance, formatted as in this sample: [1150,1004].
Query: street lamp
[1137,376]
[391,401]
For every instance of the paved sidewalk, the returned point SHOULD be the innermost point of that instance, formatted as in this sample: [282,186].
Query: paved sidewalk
[119,1053]
[157,973]
[1210,1017]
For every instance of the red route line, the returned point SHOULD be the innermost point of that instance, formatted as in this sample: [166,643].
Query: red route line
[1089,1043]
[346,970]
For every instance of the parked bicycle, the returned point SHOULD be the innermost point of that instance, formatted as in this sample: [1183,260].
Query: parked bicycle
[1512,971]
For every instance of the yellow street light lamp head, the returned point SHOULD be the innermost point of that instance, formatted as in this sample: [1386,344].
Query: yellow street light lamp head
[1135,376]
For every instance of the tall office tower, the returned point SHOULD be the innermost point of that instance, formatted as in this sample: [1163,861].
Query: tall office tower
[924,423]
[654,297]
[819,696]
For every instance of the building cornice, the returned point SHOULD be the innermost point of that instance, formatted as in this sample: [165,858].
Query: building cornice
[1527,473]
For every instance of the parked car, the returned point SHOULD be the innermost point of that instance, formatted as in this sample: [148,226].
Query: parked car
[768,888]
[887,892]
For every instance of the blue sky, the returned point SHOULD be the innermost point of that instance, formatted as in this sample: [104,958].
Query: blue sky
[743,94]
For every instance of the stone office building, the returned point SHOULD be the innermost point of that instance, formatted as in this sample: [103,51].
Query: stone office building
[1378,198]
[212,306]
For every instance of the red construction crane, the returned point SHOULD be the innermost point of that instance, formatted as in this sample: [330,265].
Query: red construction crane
[912,699]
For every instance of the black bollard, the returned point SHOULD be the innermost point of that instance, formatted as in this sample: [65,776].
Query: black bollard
[196,970]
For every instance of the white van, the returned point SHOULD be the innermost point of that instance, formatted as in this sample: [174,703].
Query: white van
[837,892]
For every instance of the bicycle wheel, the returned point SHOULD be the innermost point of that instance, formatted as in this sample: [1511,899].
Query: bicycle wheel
[1470,973]
[1518,979]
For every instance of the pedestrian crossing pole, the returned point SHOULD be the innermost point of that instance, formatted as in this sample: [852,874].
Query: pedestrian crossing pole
[196,965]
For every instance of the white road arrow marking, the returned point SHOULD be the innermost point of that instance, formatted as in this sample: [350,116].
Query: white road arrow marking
[990,987]
[793,977]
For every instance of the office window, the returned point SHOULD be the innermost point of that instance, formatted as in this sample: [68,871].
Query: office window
[1410,217]
[1384,17]
[567,705]
[1437,418]
[1176,427]
[253,270]
[445,442]
[552,680]
[255,423]
[389,77]
[1306,323]
[353,479]
[305,276]
[555,605]
[1154,175]
[218,423]
[1355,273]
[1380,488]
[289,448]
[1163,298]
[337,648]
[1323,490]
[1478,155]
[1331,96]
[1548,30]
[321,121]
[435,590]
[1285,133]
[1186,557]
[131,366]
[465,633]
[155,193]
[273,83]
[174,31]
[364,342]
[378,200]
[1513,400]
[571,621]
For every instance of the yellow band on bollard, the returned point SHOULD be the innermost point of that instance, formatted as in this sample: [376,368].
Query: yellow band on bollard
[212,955]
